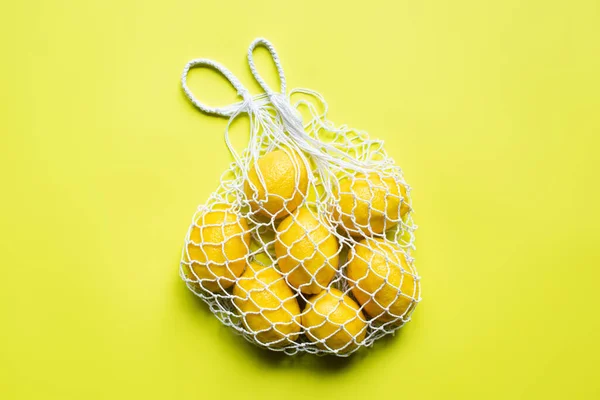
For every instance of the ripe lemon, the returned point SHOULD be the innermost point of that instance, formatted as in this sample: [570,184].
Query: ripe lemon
[307,250]
[269,307]
[218,247]
[381,280]
[334,321]
[285,183]
[370,204]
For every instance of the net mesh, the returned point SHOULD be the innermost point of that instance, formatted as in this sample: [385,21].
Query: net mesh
[305,245]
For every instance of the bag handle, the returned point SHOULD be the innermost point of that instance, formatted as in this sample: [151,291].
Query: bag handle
[225,111]
[279,100]
[261,42]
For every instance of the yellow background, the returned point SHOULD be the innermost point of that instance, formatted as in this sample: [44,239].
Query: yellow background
[491,109]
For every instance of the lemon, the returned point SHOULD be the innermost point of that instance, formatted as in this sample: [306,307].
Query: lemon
[190,279]
[334,321]
[307,251]
[218,246]
[285,183]
[381,280]
[369,204]
[269,307]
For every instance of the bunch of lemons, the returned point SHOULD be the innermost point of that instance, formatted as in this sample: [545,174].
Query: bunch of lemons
[293,296]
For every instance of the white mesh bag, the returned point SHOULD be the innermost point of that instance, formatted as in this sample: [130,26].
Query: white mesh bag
[305,245]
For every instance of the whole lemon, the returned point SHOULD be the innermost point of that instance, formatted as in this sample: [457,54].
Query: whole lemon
[217,248]
[269,307]
[307,251]
[334,321]
[285,183]
[369,204]
[381,280]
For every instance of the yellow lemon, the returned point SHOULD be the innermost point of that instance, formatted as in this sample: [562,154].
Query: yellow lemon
[285,183]
[307,251]
[334,321]
[269,307]
[369,204]
[190,279]
[217,248]
[381,280]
